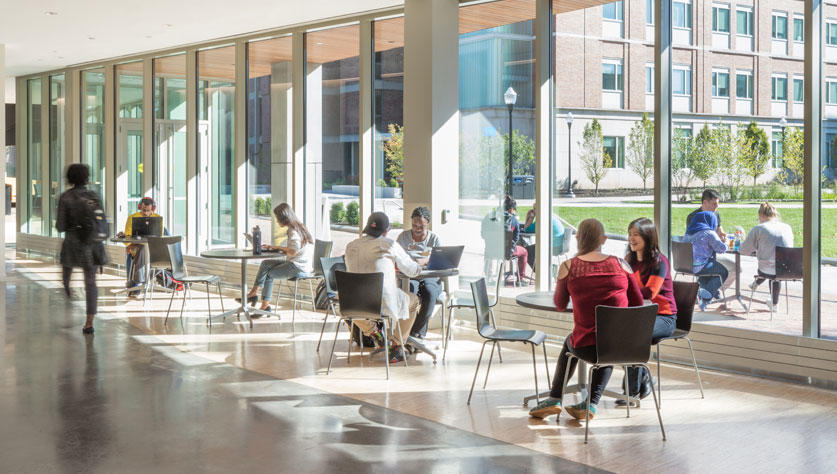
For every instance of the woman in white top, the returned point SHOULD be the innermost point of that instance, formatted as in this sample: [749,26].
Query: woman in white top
[299,251]
[763,240]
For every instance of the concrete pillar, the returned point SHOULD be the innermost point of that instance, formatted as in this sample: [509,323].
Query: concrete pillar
[281,135]
[431,112]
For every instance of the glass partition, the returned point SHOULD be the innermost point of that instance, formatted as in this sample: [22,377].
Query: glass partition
[169,155]
[129,139]
[93,128]
[56,146]
[332,118]
[216,110]
[269,127]
[34,192]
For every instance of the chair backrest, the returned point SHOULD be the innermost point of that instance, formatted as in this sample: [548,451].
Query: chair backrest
[685,294]
[682,258]
[360,294]
[788,263]
[322,249]
[329,266]
[178,269]
[482,307]
[158,250]
[623,335]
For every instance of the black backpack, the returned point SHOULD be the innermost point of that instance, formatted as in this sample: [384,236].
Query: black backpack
[92,224]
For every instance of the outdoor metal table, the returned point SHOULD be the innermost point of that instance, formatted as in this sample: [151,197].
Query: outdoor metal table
[404,282]
[543,300]
[243,255]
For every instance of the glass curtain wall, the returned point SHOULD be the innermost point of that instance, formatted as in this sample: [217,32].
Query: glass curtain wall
[216,109]
[169,156]
[496,47]
[56,146]
[388,158]
[93,126]
[33,147]
[828,150]
[332,125]
[129,138]
[269,139]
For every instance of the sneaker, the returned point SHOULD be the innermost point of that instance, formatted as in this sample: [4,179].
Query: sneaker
[704,294]
[396,355]
[579,410]
[547,407]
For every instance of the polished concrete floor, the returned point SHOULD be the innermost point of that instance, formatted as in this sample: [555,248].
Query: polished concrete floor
[123,401]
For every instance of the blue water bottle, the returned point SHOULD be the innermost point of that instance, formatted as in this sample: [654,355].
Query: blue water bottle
[257,241]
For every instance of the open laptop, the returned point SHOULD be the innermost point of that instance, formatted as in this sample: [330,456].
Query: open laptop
[445,258]
[146,226]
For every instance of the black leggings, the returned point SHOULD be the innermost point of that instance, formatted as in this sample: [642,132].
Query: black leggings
[600,376]
[90,288]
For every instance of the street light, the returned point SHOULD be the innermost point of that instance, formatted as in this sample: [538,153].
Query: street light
[510,97]
[569,193]
[782,123]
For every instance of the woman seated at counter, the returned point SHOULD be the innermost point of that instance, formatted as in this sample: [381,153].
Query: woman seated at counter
[762,241]
[591,278]
[705,244]
[299,252]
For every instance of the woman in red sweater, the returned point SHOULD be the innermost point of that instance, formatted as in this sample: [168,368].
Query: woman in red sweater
[652,272]
[591,278]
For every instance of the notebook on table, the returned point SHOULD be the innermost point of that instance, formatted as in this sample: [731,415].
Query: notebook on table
[146,226]
[445,258]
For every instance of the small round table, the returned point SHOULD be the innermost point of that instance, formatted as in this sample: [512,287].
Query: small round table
[243,255]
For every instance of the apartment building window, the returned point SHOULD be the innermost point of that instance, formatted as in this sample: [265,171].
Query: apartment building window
[798,90]
[831,91]
[780,26]
[778,149]
[798,29]
[779,89]
[681,14]
[744,85]
[649,79]
[743,21]
[615,149]
[612,11]
[681,80]
[720,18]
[831,33]
[649,12]
[720,84]
[612,75]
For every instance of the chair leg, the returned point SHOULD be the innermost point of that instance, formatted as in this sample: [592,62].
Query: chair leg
[694,363]
[169,310]
[476,371]
[657,405]
[490,358]
[331,357]
[546,364]
[386,346]
[494,324]
[535,369]
[627,393]
[589,395]
[325,320]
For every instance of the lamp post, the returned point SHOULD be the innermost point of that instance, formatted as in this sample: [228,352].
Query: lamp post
[510,97]
[782,123]
[569,193]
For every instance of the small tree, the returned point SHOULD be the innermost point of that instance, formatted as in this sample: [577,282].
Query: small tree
[394,152]
[794,157]
[753,150]
[641,149]
[702,161]
[595,162]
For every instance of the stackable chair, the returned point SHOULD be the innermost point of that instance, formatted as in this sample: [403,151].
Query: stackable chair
[623,337]
[179,272]
[788,268]
[685,294]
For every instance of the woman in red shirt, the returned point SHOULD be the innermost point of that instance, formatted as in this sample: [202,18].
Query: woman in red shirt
[591,278]
[652,272]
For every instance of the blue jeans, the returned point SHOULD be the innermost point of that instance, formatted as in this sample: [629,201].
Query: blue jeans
[664,326]
[712,283]
[273,269]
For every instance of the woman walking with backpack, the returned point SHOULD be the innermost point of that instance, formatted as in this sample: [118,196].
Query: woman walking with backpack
[83,247]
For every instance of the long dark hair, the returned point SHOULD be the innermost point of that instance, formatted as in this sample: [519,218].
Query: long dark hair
[651,253]
[286,218]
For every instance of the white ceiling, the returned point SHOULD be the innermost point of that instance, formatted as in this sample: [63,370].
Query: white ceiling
[89,30]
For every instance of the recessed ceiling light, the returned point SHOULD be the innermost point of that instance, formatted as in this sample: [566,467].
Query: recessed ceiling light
[51,13]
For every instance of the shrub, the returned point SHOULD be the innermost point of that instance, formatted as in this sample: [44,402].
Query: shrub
[337,213]
[352,214]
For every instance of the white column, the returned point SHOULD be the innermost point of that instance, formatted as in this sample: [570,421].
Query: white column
[431,112]
[3,154]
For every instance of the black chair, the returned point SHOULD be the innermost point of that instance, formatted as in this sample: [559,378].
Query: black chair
[495,336]
[322,249]
[179,272]
[468,302]
[685,294]
[788,268]
[329,266]
[158,259]
[361,297]
[623,337]
[682,261]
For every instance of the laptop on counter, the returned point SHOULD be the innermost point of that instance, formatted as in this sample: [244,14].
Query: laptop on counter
[445,258]
[146,226]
